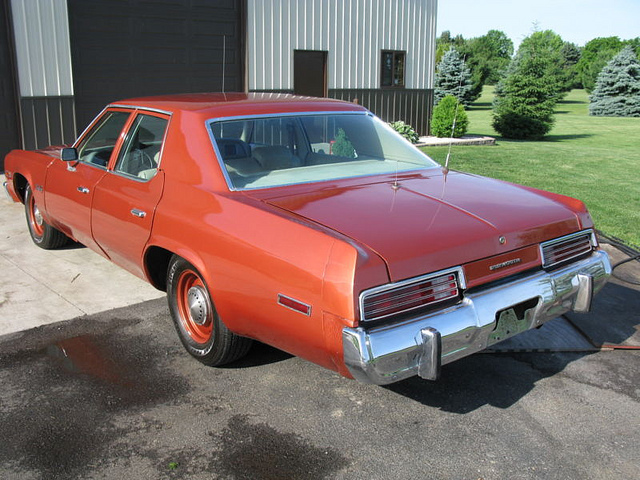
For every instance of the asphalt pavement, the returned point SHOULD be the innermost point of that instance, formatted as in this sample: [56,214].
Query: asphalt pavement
[95,385]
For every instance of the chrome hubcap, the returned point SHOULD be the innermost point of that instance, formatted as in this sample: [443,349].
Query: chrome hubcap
[37,216]
[198,305]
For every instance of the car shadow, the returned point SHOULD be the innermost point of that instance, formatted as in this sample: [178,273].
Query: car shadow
[614,319]
[260,354]
[71,245]
[499,380]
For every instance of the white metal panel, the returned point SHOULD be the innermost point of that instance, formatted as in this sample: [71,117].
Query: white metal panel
[354,32]
[43,51]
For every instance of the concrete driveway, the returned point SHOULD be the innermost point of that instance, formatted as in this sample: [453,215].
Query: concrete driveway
[101,388]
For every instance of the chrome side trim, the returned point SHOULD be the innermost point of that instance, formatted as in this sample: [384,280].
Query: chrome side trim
[257,116]
[137,107]
[390,353]
[462,284]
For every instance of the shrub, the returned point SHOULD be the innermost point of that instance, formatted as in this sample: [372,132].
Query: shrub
[523,108]
[406,130]
[444,114]
[617,91]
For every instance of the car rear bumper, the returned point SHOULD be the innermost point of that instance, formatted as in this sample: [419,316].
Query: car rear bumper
[419,346]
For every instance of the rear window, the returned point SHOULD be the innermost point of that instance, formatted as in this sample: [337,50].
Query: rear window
[265,152]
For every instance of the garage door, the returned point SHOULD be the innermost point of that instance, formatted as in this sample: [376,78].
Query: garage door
[8,119]
[123,49]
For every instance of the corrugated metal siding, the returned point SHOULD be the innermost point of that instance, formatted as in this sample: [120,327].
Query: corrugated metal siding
[391,104]
[47,121]
[41,30]
[354,32]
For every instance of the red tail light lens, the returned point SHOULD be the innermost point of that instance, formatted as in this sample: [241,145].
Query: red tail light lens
[566,248]
[386,302]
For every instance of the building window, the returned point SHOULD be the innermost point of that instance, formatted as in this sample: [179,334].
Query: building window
[392,68]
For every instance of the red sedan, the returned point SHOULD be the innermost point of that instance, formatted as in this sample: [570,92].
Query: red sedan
[309,225]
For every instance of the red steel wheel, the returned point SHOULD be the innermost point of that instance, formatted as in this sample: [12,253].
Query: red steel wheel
[36,223]
[201,331]
[194,306]
[42,234]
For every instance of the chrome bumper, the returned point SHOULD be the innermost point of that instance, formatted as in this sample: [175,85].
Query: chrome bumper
[6,190]
[421,345]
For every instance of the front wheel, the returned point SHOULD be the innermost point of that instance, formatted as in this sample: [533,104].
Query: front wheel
[42,234]
[199,327]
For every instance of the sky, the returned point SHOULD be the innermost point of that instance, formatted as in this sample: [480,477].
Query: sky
[576,21]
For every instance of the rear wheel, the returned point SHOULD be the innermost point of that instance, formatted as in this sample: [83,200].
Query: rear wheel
[199,327]
[42,234]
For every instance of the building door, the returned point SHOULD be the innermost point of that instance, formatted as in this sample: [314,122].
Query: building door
[8,118]
[310,73]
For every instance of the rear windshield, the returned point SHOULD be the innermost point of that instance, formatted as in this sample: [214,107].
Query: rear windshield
[286,150]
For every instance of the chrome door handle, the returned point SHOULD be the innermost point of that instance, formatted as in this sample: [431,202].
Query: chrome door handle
[83,189]
[138,213]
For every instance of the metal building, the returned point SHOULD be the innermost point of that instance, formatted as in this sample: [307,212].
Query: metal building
[61,61]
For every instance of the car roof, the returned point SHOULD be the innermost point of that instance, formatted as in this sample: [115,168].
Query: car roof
[233,104]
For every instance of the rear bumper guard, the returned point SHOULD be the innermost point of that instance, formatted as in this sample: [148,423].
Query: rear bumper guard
[421,345]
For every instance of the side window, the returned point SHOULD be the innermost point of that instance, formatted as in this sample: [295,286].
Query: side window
[99,143]
[140,154]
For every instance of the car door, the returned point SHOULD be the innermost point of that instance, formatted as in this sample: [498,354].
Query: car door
[70,186]
[125,199]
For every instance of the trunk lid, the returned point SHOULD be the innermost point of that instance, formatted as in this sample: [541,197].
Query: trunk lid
[432,221]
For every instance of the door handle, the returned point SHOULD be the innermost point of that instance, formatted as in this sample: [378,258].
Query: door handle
[83,189]
[138,213]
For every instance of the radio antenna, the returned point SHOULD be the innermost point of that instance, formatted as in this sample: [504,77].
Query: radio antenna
[224,58]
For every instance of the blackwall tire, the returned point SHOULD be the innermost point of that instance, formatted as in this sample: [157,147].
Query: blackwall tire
[199,327]
[42,234]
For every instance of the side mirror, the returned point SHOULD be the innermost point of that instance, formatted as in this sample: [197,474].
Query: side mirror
[69,155]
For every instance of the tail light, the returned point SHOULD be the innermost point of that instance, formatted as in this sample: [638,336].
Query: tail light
[415,294]
[566,248]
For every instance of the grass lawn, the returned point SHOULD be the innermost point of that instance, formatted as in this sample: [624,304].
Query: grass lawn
[595,159]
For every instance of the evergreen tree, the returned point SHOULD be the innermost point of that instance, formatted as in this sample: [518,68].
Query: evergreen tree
[547,46]
[453,78]
[617,89]
[570,57]
[523,109]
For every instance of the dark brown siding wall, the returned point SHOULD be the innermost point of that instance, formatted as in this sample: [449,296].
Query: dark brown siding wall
[129,48]
[47,121]
[411,106]
[9,138]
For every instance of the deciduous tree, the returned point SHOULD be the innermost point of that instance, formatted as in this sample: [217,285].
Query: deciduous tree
[595,55]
